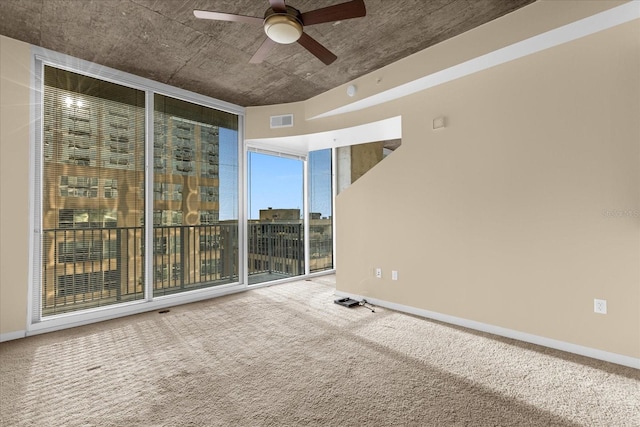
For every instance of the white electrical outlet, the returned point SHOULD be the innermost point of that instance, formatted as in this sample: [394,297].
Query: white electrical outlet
[600,306]
[379,273]
[394,275]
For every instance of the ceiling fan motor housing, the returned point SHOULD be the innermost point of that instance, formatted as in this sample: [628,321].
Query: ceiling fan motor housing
[283,28]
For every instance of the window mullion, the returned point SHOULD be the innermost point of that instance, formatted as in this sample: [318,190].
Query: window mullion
[306,215]
[148,195]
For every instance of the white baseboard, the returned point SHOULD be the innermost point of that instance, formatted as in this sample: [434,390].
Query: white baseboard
[618,359]
[12,336]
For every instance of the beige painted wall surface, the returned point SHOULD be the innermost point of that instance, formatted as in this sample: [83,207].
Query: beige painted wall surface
[14,184]
[533,19]
[523,209]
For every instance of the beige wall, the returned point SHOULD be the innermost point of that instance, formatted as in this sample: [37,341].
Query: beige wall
[525,207]
[15,77]
[501,217]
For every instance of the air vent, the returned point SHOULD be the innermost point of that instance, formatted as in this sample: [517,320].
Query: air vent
[285,121]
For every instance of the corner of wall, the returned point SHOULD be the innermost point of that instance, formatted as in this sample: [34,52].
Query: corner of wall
[15,75]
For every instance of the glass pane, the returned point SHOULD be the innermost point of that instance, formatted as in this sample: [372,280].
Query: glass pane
[321,208]
[195,196]
[93,186]
[275,229]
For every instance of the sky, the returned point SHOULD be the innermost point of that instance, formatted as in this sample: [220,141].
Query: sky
[275,182]
[228,145]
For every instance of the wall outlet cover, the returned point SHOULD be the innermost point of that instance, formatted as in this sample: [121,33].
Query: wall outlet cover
[600,306]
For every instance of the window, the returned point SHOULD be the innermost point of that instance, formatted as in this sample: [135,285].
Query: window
[119,148]
[160,246]
[208,194]
[78,186]
[195,195]
[167,217]
[161,273]
[87,218]
[164,245]
[321,208]
[183,140]
[93,137]
[209,242]
[167,191]
[209,160]
[92,177]
[209,266]
[86,250]
[208,217]
[77,284]
[110,188]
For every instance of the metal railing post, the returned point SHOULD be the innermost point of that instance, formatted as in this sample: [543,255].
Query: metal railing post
[118,260]
[300,251]
[269,247]
[182,258]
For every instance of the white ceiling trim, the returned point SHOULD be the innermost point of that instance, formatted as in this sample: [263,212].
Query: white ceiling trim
[382,130]
[567,33]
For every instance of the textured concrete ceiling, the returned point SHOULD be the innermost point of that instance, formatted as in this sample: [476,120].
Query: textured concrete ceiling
[163,41]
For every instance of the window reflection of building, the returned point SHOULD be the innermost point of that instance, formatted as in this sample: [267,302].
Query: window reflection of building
[92,171]
[93,195]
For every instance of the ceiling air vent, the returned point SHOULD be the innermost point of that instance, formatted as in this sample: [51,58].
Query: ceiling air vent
[285,121]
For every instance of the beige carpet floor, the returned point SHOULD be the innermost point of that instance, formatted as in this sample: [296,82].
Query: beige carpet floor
[286,355]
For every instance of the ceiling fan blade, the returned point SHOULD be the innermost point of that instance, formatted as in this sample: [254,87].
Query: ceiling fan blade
[338,12]
[262,51]
[278,5]
[219,16]
[319,51]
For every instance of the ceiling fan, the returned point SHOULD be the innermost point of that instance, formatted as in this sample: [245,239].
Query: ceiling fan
[284,24]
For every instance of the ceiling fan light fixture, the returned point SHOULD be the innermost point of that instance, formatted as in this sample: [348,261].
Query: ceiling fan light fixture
[283,29]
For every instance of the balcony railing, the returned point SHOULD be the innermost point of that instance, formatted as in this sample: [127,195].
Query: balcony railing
[188,257]
[91,267]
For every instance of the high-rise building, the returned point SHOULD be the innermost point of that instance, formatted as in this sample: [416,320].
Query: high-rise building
[93,204]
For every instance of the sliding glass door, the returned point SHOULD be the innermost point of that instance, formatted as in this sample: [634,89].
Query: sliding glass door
[92,179]
[275,229]
[320,210]
[195,196]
